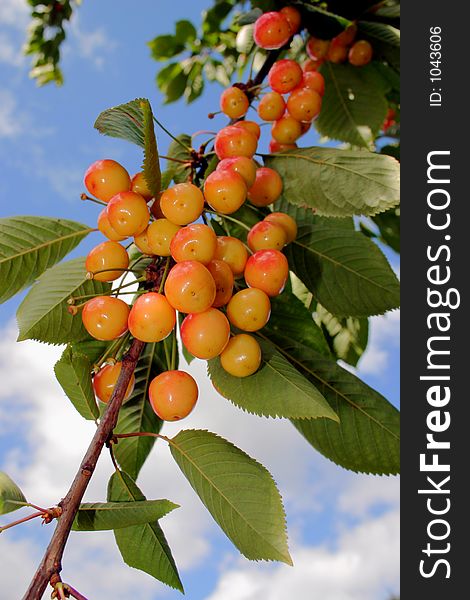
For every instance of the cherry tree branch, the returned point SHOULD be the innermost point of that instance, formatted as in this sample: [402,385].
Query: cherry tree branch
[51,563]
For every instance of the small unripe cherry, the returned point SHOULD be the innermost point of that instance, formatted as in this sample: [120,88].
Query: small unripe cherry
[337,53]
[159,236]
[311,64]
[105,317]
[271,107]
[267,187]
[105,381]
[267,270]
[194,242]
[246,167]
[128,213]
[360,53]
[223,278]
[182,204]
[189,287]
[249,309]
[173,395]
[271,31]
[265,235]
[235,141]
[241,356]
[346,37]
[140,186]
[109,257]
[250,126]
[293,17]
[286,222]
[234,102]
[284,75]
[286,130]
[275,146]
[233,252]
[152,318]
[314,81]
[225,191]
[205,334]
[105,227]
[142,242]
[304,104]
[317,49]
[106,178]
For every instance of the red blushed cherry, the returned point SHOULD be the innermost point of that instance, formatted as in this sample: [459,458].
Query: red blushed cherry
[105,381]
[246,167]
[173,395]
[293,17]
[267,187]
[250,126]
[313,80]
[285,75]
[205,334]
[312,64]
[275,146]
[286,130]
[152,318]
[317,49]
[235,141]
[106,178]
[105,317]
[272,31]
[267,270]
[265,235]
[194,242]
[346,37]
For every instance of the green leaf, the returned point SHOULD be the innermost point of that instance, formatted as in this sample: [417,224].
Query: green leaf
[389,227]
[345,271]
[151,166]
[91,348]
[73,372]
[11,497]
[143,547]
[347,336]
[137,414]
[385,40]
[43,313]
[354,105]
[175,88]
[185,32]
[239,493]
[100,516]
[306,216]
[125,121]
[30,245]
[181,151]
[166,74]
[277,389]
[338,183]
[164,47]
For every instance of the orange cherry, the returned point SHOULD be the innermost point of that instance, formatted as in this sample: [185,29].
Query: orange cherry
[107,261]
[223,277]
[225,191]
[105,317]
[205,334]
[267,187]
[241,356]
[173,395]
[233,252]
[105,227]
[152,318]
[246,167]
[105,381]
[128,213]
[106,178]
[249,309]
[140,186]
[182,204]
[266,235]
[194,242]
[189,287]
[235,141]
[267,270]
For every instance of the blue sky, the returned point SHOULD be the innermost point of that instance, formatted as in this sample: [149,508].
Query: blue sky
[343,527]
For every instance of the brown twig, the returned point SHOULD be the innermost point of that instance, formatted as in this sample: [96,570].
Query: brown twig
[73,592]
[51,563]
[19,521]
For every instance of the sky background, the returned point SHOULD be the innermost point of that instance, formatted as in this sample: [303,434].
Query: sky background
[343,527]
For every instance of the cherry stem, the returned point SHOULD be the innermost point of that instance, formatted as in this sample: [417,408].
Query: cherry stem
[173,350]
[141,434]
[85,197]
[164,276]
[229,218]
[23,520]
[177,160]
[74,593]
[171,135]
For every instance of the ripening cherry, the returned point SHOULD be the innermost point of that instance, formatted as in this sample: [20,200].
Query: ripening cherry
[304,104]
[360,53]
[346,37]
[246,167]
[152,318]
[250,126]
[182,204]
[225,191]
[286,222]
[105,227]
[105,381]
[223,278]
[106,178]
[194,242]
[140,186]
[189,287]
[285,75]
[265,235]
[159,236]
[267,270]
[311,64]
[109,257]
[235,141]
[272,31]
[249,309]
[142,242]
[275,146]
[241,356]
[173,395]
[205,334]
[128,213]
[293,17]
[337,53]
[286,130]
[314,81]
[234,102]
[105,317]
[233,252]
[317,49]
[271,107]
[267,187]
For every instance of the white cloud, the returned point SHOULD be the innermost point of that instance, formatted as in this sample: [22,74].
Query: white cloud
[92,45]
[10,51]
[14,13]
[363,566]
[384,338]
[11,122]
